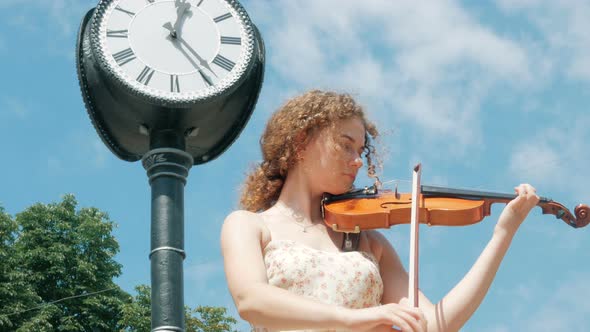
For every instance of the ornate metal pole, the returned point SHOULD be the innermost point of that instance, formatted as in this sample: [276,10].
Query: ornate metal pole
[167,167]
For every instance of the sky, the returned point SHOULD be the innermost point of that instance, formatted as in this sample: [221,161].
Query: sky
[485,95]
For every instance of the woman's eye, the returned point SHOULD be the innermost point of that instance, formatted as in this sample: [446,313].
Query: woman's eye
[349,147]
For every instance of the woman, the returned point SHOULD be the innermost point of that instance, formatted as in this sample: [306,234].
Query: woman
[285,268]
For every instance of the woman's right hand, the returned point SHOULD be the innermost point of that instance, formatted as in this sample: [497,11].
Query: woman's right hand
[385,317]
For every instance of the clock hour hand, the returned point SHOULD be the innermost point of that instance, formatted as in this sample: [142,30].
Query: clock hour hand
[181,9]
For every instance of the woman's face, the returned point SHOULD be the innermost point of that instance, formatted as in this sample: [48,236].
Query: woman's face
[332,158]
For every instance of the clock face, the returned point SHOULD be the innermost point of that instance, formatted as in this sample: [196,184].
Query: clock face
[174,50]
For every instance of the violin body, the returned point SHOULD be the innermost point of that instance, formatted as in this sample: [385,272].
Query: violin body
[370,208]
[387,209]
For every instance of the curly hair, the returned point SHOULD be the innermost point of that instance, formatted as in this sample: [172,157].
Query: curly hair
[288,131]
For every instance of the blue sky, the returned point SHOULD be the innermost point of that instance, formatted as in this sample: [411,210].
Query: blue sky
[485,95]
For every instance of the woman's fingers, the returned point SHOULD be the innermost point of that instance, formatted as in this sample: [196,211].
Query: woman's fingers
[407,318]
[526,190]
[404,303]
[527,198]
[406,322]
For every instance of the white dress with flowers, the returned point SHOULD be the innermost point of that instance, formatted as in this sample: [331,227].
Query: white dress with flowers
[346,279]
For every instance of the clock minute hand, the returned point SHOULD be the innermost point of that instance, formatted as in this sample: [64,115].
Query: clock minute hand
[203,75]
[202,62]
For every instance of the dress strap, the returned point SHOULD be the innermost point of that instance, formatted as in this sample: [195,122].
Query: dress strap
[350,241]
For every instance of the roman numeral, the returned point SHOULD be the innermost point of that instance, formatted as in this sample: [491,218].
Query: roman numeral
[231,40]
[205,78]
[118,33]
[124,56]
[146,75]
[125,11]
[174,85]
[222,17]
[223,62]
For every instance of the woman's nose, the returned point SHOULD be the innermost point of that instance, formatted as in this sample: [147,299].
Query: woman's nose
[357,162]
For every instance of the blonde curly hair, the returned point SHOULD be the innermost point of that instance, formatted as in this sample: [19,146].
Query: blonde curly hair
[288,131]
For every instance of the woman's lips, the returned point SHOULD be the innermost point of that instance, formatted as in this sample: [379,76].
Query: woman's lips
[351,176]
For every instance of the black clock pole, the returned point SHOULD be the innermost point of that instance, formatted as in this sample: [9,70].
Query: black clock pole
[169,135]
[167,166]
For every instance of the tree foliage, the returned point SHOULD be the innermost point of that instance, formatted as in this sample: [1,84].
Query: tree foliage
[136,315]
[208,319]
[16,294]
[60,256]
[56,274]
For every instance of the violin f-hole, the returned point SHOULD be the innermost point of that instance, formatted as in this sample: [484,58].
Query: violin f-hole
[384,204]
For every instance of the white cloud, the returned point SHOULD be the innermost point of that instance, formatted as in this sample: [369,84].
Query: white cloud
[200,277]
[554,159]
[79,152]
[60,24]
[538,307]
[564,27]
[428,64]
[84,150]
[203,273]
[66,14]
[537,160]
[565,310]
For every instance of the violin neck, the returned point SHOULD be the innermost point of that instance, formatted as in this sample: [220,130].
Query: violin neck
[470,194]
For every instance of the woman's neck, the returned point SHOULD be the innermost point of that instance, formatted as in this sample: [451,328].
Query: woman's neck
[299,195]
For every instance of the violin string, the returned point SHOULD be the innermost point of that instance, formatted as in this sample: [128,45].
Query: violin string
[388,183]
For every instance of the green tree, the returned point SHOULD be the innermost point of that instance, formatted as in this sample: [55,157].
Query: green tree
[15,292]
[56,274]
[208,319]
[66,258]
[137,317]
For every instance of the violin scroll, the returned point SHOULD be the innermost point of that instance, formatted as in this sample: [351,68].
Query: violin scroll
[582,215]
[581,218]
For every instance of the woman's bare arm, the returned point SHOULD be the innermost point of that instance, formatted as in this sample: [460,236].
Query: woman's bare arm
[258,302]
[453,311]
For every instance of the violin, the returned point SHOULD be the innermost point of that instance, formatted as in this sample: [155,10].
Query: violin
[372,208]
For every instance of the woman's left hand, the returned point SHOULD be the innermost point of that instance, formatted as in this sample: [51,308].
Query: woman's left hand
[517,209]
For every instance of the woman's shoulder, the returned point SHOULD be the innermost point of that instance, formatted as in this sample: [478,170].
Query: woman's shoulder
[245,223]
[241,215]
[243,219]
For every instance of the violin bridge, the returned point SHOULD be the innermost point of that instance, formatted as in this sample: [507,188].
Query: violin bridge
[335,228]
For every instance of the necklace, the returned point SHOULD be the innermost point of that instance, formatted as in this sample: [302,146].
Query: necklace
[293,216]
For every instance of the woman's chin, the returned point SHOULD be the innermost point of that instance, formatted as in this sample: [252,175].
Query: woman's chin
[339,191]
